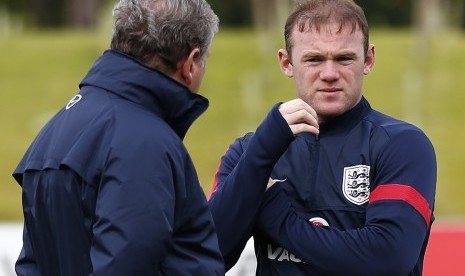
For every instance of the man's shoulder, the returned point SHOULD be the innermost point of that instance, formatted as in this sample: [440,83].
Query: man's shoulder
[243,141]
[387,131]
[389,124]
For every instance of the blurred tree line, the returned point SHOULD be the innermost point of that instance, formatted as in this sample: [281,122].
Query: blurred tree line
[56,13]
[86,13]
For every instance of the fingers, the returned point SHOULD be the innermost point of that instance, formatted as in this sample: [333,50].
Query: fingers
[301,128]
[295,105]
[300,116]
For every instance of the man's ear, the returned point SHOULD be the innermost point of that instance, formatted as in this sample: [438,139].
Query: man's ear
[187,66]
[369,60]
[285,63]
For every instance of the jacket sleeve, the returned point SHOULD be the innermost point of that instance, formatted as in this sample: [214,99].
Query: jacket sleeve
[241,181]
[134,212]
[398,217]
[26,263]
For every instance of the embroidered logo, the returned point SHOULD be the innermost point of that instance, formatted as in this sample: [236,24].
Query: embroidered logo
[73,101]
[356,184]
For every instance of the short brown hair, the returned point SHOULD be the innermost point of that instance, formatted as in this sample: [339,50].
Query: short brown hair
[314,13]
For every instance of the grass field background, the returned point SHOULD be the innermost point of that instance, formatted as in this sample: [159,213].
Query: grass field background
[40,71]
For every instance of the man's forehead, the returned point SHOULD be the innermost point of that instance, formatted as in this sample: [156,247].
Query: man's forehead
[328,33]
[328,39]
[331,27]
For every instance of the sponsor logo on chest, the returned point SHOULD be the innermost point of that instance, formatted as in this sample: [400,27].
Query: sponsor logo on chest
[280,254]
[356,184]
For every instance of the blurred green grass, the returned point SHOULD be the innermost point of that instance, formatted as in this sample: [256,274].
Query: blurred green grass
[40,71]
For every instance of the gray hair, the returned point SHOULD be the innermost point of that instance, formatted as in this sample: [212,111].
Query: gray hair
[163,31]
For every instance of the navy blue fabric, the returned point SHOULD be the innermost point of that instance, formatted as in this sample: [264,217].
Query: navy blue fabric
[386,237]
[108,186]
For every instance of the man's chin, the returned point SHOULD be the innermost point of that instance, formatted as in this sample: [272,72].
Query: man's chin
[332,108]
[327,112]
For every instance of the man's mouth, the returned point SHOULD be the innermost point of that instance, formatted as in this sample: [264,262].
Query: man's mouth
[330,89]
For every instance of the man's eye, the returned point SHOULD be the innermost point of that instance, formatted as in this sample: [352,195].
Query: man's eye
[345,59]
[314,60]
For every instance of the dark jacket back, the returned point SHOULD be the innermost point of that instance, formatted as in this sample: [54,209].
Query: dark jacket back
[109,187]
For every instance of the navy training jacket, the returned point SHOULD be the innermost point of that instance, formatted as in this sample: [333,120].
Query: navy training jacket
[357,200]
[108,186]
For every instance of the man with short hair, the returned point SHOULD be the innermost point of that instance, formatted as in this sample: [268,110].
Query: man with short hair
[326,185]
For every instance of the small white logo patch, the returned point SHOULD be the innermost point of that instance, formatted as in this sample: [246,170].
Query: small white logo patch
[272,181]
[317,221]
[73,101]
[356,184]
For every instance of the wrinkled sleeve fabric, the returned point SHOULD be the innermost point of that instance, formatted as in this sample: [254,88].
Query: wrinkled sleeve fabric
[398,216]
[134,213]
[241,181]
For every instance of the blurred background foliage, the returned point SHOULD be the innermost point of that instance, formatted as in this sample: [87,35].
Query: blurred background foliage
[47,46]
[86,13]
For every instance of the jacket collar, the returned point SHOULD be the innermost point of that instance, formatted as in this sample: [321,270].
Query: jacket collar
[349,118]
[128,78]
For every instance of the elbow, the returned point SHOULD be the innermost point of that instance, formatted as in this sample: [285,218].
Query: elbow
[396,259]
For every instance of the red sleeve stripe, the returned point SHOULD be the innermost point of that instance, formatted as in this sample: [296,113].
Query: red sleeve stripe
[215,183]
[405,193]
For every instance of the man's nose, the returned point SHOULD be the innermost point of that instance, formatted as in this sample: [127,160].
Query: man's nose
[329,71]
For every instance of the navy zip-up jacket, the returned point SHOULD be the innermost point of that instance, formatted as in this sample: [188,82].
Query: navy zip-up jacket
[108,186]
[357,200]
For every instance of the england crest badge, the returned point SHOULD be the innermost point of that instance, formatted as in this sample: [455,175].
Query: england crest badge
[356,184]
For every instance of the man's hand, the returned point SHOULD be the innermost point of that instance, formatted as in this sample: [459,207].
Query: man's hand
[300,116]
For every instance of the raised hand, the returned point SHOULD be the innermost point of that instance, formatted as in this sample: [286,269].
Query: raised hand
[300,116]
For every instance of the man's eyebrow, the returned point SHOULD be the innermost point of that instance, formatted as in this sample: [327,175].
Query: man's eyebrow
[347,54]
[312,54]
[342,54]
